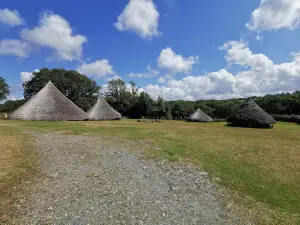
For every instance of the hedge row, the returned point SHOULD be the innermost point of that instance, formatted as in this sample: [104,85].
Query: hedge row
[219,120]
[287,118]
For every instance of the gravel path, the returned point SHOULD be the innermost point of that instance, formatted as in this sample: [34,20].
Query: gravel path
[85,182]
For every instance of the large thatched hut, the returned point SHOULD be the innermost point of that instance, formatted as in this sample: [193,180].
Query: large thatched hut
[249,114]
[103,111]
[49,104]
[199,116]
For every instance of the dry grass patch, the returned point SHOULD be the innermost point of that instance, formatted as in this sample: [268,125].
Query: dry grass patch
[17,164]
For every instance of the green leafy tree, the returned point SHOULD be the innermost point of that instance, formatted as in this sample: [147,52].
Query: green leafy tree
[10,105]
[118,96]
[161,106]
[77,87]
[116,90]
[208,110]
[133,108]
[168,111]
[134,89]
[4,89]
[182,109]
[145,103]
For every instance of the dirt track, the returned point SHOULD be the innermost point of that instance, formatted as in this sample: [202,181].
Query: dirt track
[85,182]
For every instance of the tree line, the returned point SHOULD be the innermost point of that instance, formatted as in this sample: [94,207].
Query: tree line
[130,101]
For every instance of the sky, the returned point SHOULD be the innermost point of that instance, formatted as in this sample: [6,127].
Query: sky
[176,49]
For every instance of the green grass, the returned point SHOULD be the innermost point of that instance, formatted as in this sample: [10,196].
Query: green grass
[260,167]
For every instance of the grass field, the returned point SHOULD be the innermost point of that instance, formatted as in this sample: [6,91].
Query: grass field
[260,167]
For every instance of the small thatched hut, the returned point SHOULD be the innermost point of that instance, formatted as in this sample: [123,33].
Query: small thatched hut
[249,114]
[103,111]
[49,104]
[199,116]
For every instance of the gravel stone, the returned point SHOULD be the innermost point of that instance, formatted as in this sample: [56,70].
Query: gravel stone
[90,184]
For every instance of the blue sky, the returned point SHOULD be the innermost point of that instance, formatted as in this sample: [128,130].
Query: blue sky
[177,49]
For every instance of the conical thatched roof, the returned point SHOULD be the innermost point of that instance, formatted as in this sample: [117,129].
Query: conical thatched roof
[249,113]
[49,104]
[103,111]
[199,116]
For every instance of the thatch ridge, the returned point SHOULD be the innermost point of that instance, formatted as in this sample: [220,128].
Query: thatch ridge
[250,114]
[49,104]
[199,116]
[103,111]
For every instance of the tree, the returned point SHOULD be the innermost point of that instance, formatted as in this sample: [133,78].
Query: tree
[10,105]
[168,111]
[133,108]
[116,89]
[145,103]
[182,109]
[161,106]
[4,89]
[134,89]
[206,109]
[75,86]
[119,96]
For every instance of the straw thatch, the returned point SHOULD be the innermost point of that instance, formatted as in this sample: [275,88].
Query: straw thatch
[199,116]
[103,111]
[249,114]
[49,104]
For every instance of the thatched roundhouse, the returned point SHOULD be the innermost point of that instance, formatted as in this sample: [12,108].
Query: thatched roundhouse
[103,111]
[249,114]
[199,116]
[49,104]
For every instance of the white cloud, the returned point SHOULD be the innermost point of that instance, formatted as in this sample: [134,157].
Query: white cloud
[261,77]
[161,80]
[14,47]
[215,85]
[175,63]
[10,17]
[239,53]
[27,76]
[141,17]
[149,74]
[54,32]
[275,14]
[100,68]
